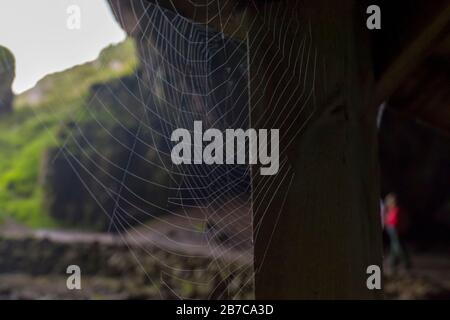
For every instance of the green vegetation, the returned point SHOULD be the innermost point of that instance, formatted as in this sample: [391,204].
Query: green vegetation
[86,185]
[36,123]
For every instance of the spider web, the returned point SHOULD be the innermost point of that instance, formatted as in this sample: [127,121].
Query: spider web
[188,72]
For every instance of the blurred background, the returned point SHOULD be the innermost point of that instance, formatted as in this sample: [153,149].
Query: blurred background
[85,176]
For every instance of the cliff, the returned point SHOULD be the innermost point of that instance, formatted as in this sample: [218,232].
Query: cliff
[7,73]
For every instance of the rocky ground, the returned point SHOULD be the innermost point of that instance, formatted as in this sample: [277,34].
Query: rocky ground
[169,264]
[134,266]
[429,278]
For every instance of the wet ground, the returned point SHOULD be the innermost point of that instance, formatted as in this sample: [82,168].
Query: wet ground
[175,262]
[429,277]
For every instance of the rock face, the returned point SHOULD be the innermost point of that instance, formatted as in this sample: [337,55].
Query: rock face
[106,173]
[199,75]
[7,67]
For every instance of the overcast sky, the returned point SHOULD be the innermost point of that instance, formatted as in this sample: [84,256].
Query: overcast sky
[36,32]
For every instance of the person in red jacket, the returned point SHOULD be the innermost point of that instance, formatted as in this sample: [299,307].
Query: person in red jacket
[397,252]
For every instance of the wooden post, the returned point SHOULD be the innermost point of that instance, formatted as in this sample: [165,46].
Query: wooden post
[316,223]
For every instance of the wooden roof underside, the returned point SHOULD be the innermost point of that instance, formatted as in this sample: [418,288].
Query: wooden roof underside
[412,60]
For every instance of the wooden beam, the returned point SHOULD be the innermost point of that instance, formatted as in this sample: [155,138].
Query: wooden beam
[413,53]
[316,223]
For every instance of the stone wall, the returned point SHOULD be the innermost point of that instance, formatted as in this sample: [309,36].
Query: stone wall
[162,274]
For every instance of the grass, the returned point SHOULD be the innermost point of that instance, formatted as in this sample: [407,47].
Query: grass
[33,127]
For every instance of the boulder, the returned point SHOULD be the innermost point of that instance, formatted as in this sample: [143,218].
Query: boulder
[7,67]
